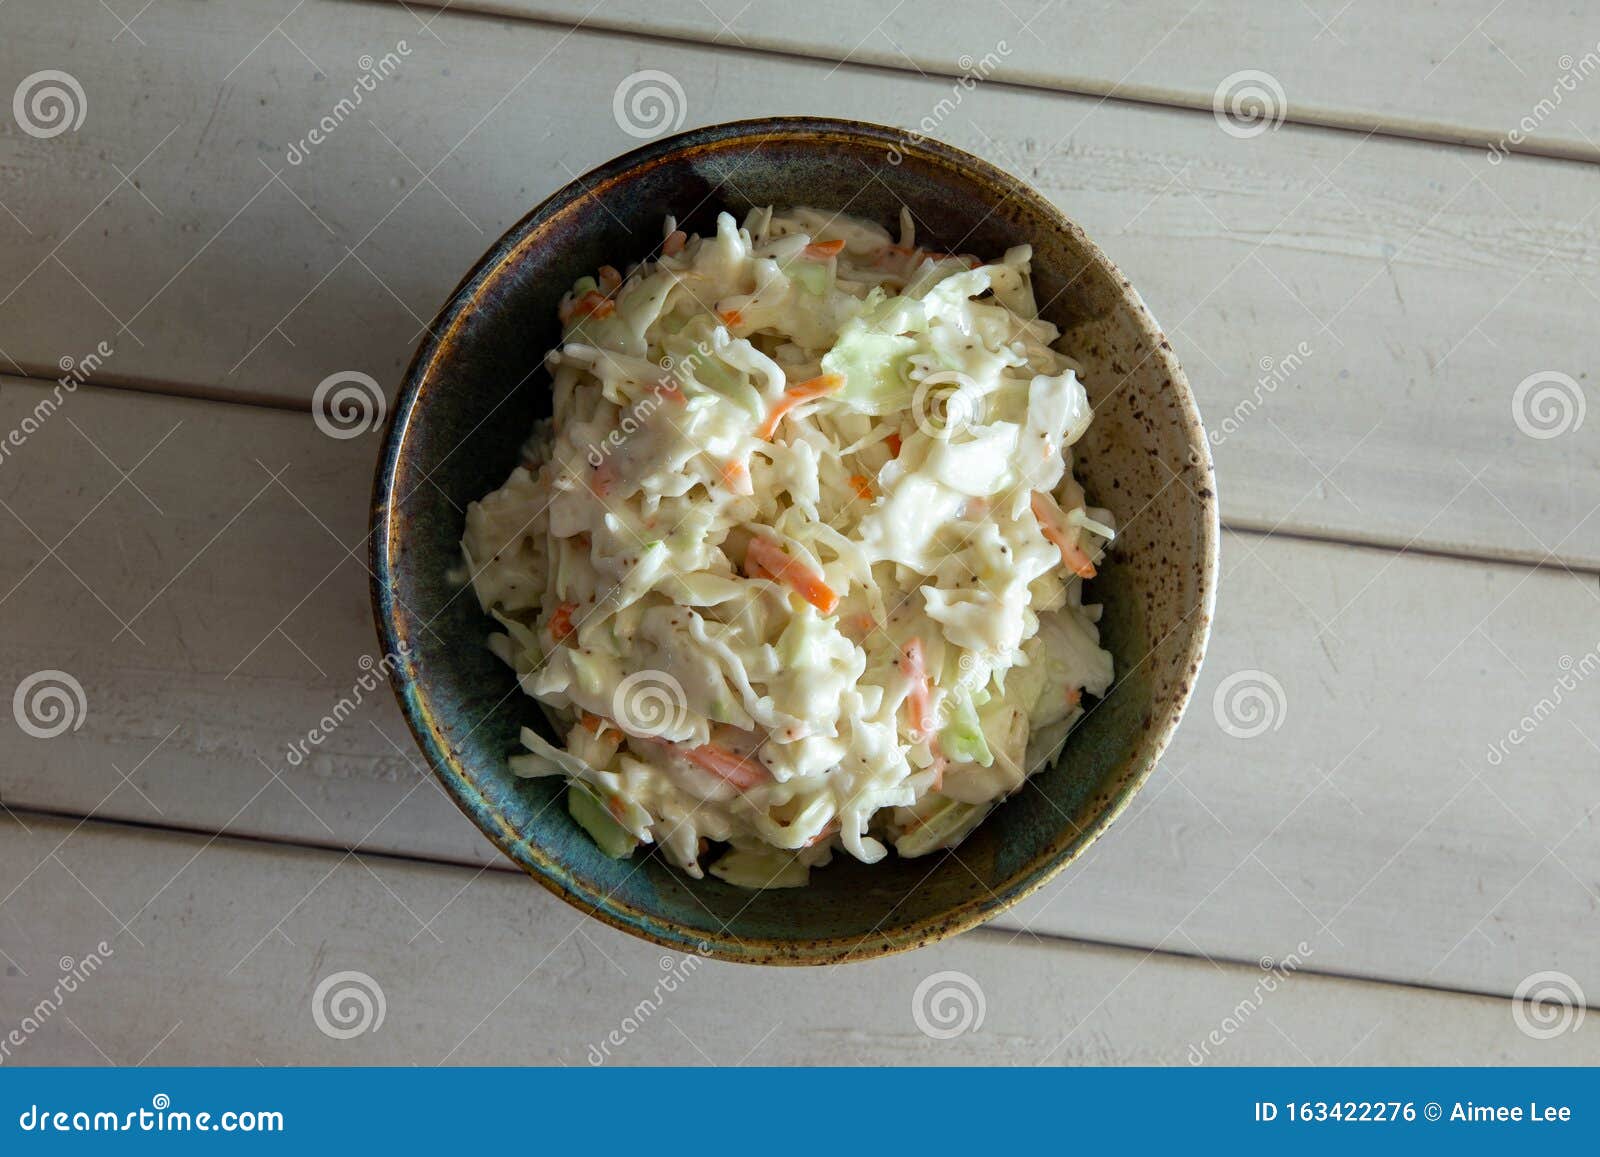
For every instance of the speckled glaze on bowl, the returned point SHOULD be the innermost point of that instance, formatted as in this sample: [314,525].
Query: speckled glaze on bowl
[476,386]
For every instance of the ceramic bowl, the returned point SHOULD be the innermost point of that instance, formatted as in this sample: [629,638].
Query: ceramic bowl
[477,384]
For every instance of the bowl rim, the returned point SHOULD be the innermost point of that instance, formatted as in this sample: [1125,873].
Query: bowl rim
[441,336]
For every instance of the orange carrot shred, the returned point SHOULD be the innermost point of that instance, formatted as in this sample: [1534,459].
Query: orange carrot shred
[1073,556]
[604,477]
[824,249]
[731,318]
[862,485]
[561,622]
[917,700]
[829,829]
[594,305]
[764,559]
[736,476]
[742,772]
[806,391]
[893,442]
[674,243]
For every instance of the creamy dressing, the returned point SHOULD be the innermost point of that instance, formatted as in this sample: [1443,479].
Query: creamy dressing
[797,564]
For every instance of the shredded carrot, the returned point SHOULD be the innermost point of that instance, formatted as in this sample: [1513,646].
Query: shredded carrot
[1065,539]
[862,485]
[822,250]
[829,829]
[731,318]
[614,806]
[806,391]
[668,389]
[913,668]
[674,243]
[764,559]
[591,722]
[610,279]
[1074,696]
[736,477]
[594,305]
[893,442]
[604,477]
[561,622]
[741,772]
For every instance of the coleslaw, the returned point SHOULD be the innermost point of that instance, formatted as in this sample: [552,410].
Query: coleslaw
[796,566]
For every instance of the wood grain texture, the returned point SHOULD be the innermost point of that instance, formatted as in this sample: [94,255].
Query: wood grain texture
[1459,73]
[1356,312]
[214,607]
[218,949]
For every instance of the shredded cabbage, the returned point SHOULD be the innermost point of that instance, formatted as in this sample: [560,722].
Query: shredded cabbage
[796,567]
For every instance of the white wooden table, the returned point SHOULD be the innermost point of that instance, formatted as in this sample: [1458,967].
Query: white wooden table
[1359,294]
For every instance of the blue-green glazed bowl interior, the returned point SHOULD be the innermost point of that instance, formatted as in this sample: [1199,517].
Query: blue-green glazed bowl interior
[477,385]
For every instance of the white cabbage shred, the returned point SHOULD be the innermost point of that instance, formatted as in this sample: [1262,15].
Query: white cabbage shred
[797,564]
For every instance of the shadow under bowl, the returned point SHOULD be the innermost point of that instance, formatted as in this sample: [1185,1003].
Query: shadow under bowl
[477,384]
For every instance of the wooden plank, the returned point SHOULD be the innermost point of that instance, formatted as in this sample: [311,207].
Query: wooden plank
[226,946]
[1356,313]
[1468,77]
[1376,803]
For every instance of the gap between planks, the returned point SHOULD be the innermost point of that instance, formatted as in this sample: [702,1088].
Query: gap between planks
[1334,119]
[988,931]
[1251,528]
